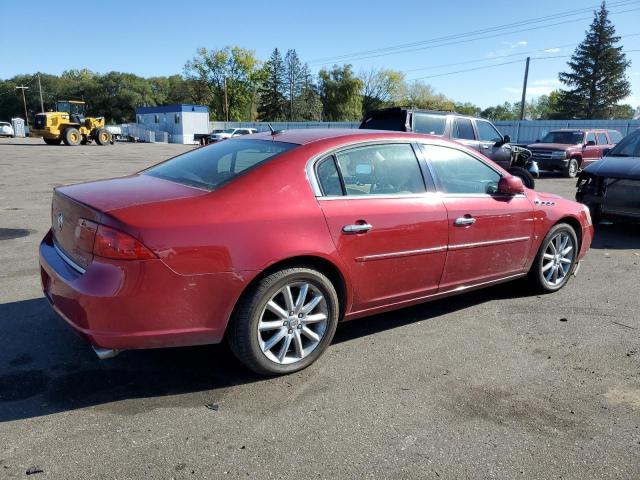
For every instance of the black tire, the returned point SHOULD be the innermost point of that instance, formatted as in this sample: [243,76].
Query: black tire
[52,141]
[242,332]
[572,168]
[537,276]
[524,175]
[102,136]
[72,137]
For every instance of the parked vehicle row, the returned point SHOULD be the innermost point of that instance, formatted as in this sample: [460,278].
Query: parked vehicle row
[269,241]
[476,133]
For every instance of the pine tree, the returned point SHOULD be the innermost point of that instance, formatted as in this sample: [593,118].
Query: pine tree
[596,79]
[272,105]
[308,106]
[294,79]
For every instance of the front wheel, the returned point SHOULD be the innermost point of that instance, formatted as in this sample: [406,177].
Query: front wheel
[72,137]
[103,137]
[555,260]
[571,170]
[285,322]
[524,175]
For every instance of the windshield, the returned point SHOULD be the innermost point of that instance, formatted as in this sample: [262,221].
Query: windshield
[629,146]
[229,130]
[210,167]
[567,138]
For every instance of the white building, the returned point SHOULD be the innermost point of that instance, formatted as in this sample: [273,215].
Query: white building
[181,122]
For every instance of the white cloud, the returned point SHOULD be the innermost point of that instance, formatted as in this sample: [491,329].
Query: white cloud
[543,86]
[507,48]
[546,82]
[552,50]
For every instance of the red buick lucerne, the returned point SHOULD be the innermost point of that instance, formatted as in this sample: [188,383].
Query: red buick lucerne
[270,241]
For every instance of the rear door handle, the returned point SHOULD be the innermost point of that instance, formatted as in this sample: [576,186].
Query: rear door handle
[356,228]
[464,221]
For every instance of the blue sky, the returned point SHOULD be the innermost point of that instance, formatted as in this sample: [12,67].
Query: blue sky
[157,38]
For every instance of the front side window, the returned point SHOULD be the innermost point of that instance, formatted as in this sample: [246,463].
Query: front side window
[459,172]
[431,124]
[380,170]
[487,132]
[591,137]
[602,139]
[463,129]
[216,164]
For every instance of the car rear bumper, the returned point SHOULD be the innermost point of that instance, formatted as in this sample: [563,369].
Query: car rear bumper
[121,305]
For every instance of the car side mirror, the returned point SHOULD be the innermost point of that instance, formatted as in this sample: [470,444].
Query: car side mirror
[590,143]
[510,185]
[506,139]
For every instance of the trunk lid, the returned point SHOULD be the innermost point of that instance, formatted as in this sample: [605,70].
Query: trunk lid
[74,228]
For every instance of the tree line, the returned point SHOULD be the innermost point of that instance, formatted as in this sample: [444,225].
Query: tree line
[236,85]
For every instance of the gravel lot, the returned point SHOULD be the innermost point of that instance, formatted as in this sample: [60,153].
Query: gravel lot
[492,384]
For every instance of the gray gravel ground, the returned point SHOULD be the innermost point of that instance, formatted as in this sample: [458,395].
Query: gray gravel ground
[492,384]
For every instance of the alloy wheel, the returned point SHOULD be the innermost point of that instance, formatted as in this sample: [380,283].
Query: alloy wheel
[558,259]
[292,323]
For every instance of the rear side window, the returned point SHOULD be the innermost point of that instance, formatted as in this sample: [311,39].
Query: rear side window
[459,172]
[463,129]
[432,124]
[614,136]
[380,170]
[328,177]
[487,132]
[216,164]
[602,139]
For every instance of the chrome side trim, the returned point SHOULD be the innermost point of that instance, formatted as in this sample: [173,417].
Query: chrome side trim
[67,260]
[405,253]
[488,243]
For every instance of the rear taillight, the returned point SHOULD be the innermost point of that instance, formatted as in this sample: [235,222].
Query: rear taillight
[112,243]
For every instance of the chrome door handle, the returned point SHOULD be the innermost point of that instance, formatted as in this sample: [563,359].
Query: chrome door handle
[464,221]
[485,146]
[356,228]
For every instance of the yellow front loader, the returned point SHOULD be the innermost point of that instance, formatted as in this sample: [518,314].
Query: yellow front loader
[69,124]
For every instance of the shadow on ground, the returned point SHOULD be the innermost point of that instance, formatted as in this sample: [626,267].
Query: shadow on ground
[45,368]
[617,236]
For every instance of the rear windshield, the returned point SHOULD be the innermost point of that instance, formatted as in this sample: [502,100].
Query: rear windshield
[210,167]
[394,121]
[567,138]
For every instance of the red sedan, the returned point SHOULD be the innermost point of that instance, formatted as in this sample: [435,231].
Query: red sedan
[270,241]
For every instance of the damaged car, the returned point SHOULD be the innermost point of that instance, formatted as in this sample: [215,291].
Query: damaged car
[611,186]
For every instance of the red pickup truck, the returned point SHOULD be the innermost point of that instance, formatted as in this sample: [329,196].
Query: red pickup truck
[570,149]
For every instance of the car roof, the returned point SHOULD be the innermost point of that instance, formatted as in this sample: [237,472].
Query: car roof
[305,136]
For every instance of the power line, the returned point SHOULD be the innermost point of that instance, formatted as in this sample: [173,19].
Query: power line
[477,35]
[489,59]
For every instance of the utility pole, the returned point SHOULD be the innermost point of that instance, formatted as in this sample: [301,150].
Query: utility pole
[24,100]
[524,89]
[226,101]
[40,88]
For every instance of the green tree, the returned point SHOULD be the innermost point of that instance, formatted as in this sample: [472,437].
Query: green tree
[596,76]
[505,111]
[273,104]
[308,105]
[340,94]
[380,88]
[294,79]
[227,78]
[623,112]
[421,95]
[468,108]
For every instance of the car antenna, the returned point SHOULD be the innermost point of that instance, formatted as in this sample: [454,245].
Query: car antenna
[274,132]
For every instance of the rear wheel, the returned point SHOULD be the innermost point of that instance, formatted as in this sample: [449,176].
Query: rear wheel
[555,260]
[52,141]
[286,322]
[571,170]
[102,136]
[524,175]
[72,137]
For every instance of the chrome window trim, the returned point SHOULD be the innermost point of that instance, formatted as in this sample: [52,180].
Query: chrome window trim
[67,260]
